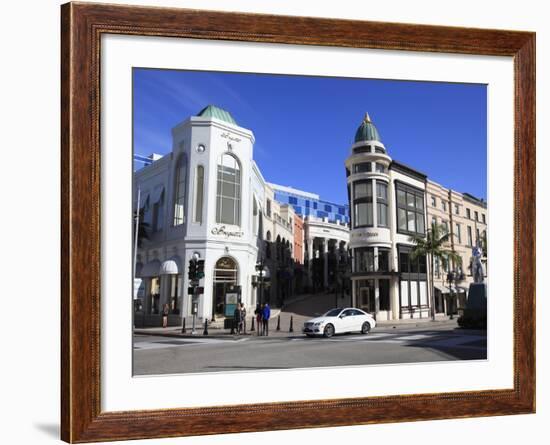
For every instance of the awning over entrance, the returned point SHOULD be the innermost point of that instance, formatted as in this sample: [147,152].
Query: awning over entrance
[151,269]
[169,267]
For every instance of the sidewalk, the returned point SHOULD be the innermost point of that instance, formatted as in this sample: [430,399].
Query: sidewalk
[220,333]
[217,332]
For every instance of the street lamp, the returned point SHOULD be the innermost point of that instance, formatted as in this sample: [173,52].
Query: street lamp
[260,265]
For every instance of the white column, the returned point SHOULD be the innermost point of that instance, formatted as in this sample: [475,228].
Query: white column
[376,297]
[310,261]
[394,297]
[325,262]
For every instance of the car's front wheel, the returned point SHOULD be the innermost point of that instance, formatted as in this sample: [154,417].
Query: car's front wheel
[328,331]
[365,329]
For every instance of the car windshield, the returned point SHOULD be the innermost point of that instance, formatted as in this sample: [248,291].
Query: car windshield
[333,313]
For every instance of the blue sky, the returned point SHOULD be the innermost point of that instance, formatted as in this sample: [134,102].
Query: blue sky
[304,126]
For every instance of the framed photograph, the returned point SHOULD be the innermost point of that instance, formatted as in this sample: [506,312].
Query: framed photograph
[274,222]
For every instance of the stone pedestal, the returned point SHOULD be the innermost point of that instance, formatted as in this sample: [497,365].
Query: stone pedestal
[475,313]
[477,297]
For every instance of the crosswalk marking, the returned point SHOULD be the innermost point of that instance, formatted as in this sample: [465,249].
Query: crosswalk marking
[425,339]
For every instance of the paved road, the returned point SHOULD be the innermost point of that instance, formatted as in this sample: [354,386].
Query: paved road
[161,355]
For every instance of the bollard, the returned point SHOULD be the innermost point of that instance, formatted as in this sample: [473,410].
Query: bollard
[183,326]
[205,332]
[291,324]
[279,323]
[252,326]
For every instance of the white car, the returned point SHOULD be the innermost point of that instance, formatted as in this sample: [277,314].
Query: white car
[339,321]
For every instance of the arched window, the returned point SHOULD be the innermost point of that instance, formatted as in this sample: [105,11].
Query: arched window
[199,188]
[228,196]
[179,191]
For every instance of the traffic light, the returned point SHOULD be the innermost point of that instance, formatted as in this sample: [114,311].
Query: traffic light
[200,269]
[192,270]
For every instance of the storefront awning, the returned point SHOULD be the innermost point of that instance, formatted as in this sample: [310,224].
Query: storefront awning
[151,269]
[170,267]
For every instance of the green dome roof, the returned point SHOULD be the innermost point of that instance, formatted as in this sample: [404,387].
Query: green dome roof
[217,113]
[367,131]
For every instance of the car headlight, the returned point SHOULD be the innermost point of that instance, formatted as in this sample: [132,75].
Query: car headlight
[318,323]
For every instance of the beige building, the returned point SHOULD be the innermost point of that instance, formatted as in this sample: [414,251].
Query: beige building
[465,218]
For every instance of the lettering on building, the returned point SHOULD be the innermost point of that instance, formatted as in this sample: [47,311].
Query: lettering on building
[221,230]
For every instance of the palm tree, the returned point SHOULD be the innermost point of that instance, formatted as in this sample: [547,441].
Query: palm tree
[433,246]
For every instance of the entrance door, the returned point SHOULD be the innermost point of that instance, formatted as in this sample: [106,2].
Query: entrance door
[225,278]
[366,299]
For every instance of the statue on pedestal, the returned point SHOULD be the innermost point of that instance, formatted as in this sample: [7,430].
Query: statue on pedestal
[477,266]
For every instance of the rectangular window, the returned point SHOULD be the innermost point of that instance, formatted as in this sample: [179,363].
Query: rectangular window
[403,262]
[307,202]
[268,207]
[483,218]
[445,226]
[199,188]
[364,259]
[328,208]
[401,198]
[457,209]
[292,200]
[402,220]
[434,221]
[362,167]
[458,236]
[380,168]
[470,236]
[362,190]
[434,202]
[444,205]
[477,216]
[478,237]
[419,202]
[468,214]
[410,210]
[382,203]
[378,149]
[363,214]
[383,260]
[411,222]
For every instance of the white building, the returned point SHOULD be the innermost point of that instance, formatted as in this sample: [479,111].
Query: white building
[387,206]
[205,198]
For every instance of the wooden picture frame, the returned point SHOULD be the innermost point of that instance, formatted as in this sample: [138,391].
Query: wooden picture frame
[82,26]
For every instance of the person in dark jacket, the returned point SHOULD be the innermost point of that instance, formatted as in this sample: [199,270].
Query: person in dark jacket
[258,313]
[237,319]
[266,314]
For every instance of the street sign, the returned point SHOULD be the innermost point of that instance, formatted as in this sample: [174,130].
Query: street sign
[231,301]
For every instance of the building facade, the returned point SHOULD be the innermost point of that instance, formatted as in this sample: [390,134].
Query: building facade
[208,199]
[464,217]
[388,207]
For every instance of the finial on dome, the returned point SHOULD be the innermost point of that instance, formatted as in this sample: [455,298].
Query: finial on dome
[367,117]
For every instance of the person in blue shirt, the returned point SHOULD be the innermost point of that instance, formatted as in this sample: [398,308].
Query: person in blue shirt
[266,314]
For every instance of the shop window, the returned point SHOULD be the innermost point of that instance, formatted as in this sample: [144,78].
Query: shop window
[180,188]
[228,202]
